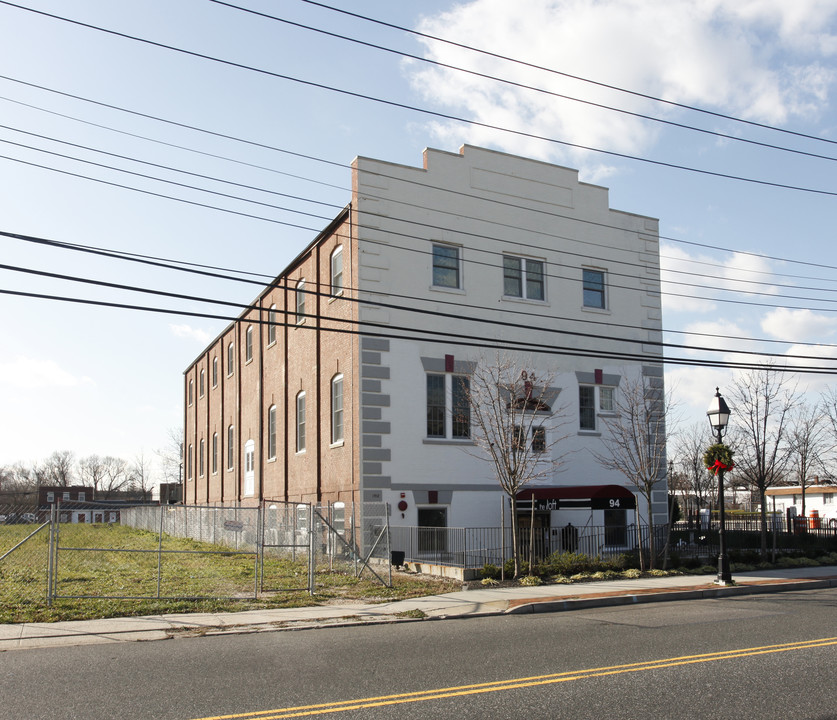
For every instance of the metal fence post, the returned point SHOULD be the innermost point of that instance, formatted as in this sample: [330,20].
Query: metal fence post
[259,550]
[311,563]
[160,552]
[50,554]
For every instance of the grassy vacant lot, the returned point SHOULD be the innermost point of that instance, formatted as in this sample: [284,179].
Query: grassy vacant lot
[111,571]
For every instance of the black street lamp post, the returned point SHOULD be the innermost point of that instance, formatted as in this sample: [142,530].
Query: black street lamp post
[718,414]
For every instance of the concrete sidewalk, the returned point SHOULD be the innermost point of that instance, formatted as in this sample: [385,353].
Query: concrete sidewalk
[466,603]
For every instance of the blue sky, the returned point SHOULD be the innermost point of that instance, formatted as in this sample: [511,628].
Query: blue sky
[109,381]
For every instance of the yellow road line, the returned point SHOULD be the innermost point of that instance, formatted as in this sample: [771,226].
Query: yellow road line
[517,683]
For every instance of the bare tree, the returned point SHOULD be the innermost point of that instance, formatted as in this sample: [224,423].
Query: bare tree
[514,425]
[117,476]
[828,405]
[141,478]
[635,443]
[92,472]
[689,447]
[171,456]
[762,401]
[808,440]
[57,469]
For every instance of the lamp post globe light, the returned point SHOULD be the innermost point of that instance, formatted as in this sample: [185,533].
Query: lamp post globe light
[718,414]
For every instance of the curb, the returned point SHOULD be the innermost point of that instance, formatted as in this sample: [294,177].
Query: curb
[706,593]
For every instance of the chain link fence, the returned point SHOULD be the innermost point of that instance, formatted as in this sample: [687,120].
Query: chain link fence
[174,552]
[24,556]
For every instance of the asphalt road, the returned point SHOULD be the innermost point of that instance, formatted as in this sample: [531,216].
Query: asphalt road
[769,656]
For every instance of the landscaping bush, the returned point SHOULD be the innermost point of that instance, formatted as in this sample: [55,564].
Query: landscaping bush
[568,563]
[490,571]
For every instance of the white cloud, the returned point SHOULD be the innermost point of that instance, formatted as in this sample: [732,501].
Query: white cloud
[765,60]
[190,333]
[33,373]
[799,325]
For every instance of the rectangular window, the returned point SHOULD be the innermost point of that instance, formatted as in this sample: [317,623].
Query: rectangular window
[827,498]
[446,266]
[189,457]
[215,371]
[50,497]
[606,399]
[214,453]
[201,459]
[191,392]
[300,422]
[523,278]
[82,497]
[230,359]
[271,325]
[594,288]
[230,447]
[300,302]
[539,439]
[201,383]
[250,468]
[436,406]
[587,407]
[271,433]
[461,403]
[337,271]
[248,348]
[337,409]
[65,496]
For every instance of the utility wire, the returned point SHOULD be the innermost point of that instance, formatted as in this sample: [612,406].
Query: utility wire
[436,336]
[433,313]
[424,111]
[634,93]
[314,158]
[524,86]
[271,281]
[517,243]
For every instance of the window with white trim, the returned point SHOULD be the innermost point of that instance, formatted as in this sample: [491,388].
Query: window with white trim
[300,302]
[191,391]
[215,371]
[250,467]
[271,325]
[201,383]
[448,396]
[230,359]
[230,447]
[189,460]
[337,409]
[523,278]
[447,272]
[271,433]
[592,400]
[248,346]
[300,422]
[215,453]
[201,458]
[337,271]
[593,293]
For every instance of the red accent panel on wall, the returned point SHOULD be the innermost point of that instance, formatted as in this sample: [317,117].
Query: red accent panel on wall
[448,363]
[599,377]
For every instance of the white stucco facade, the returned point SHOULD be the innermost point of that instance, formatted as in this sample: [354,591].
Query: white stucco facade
[433,243]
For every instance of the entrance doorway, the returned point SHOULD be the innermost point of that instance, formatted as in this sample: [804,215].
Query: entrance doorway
[431,537]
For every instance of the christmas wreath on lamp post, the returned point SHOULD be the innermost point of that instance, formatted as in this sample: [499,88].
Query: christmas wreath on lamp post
[718,457]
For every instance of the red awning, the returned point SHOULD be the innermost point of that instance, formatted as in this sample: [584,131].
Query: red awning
[576,492]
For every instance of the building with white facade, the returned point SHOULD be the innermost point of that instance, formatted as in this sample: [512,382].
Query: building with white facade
[340,383]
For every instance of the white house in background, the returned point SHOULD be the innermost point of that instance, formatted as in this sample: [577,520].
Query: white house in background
[340,383]
[820,501]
